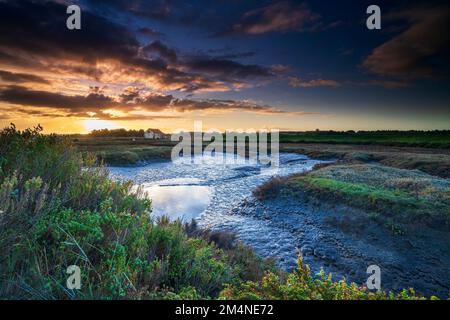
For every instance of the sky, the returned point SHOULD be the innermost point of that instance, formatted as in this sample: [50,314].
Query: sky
[233,64]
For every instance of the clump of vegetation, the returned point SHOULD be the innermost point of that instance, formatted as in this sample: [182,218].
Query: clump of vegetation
[271,189]
[302,285]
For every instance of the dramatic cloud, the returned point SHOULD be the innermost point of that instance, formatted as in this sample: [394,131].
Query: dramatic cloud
[7,76]
[226,69]
[139,59]
[296,82]
[22,96]
[278,17]
[31,37]
[413,53]
[222,105]
[162,51]
[132,100]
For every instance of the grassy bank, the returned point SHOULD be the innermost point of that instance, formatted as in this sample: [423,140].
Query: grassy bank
[394,197]
[59,208]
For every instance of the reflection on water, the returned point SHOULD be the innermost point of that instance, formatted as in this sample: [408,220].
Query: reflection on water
[178,202]
[209,192]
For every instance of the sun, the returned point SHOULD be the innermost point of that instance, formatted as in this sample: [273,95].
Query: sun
[98,124]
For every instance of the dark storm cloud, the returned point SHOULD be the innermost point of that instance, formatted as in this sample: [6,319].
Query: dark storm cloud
[7,76]
[38,113]
[416,51]
[226,68]
[135,97]
[101,115]
[39,29]
[163,51]
[22,96]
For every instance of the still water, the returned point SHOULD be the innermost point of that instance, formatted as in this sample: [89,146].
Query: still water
[211,191]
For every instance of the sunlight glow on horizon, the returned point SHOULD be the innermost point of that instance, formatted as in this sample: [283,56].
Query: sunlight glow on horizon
[94,124]
[233,122]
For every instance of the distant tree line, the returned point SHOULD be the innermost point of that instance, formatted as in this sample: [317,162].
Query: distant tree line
[122,132]
[366,132]
[140,133]
[117,133]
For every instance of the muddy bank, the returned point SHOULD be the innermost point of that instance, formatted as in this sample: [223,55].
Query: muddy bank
[432,161]
[342,241]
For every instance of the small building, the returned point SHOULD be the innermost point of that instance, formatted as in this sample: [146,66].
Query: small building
[154,134]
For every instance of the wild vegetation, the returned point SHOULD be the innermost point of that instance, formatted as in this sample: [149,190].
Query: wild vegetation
[59,208]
